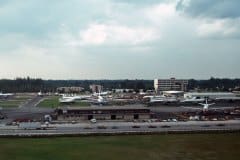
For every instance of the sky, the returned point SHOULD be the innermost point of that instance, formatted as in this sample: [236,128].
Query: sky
[119,39]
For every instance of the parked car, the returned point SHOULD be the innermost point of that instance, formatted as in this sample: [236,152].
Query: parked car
[165,126]
[151,126]
[93,120]
[102,127]
[135,126]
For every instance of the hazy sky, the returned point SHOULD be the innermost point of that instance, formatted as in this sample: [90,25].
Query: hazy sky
[119,39]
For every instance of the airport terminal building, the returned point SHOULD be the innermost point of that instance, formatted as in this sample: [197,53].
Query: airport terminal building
[170,84]
[213,95]
[102,113]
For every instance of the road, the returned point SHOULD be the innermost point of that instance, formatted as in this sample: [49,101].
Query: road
[26,111]
[33,102]
[123,128]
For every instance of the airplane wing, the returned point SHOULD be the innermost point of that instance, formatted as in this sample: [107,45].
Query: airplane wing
[211,104]
[192,108]
[222,108]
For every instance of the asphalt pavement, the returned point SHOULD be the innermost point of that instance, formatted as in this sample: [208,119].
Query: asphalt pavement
[32,102]
[123,128]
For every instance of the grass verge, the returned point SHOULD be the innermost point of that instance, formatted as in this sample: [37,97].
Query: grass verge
[150,147]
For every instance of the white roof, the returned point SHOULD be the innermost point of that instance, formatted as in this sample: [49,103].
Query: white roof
[210,93]
[173,92]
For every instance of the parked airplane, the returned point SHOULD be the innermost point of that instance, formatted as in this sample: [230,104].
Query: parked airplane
[161,99]
[72,99]
[192,100]
[101,93]
[99,101]
[5,95]
[206,107]
[66,100]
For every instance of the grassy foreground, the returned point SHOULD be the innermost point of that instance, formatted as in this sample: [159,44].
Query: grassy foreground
[146,147]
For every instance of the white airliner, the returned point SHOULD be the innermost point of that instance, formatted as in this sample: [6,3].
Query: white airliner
[99,101]
[66,100]
[192,100]
[5,95]
[161,99]
[206,107]
[72,99]
[101,93]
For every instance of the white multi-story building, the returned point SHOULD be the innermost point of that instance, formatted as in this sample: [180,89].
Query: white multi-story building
[170,84]
[96,88]
[72,89]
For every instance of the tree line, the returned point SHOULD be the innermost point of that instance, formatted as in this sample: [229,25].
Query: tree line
[215,84]
[35,85]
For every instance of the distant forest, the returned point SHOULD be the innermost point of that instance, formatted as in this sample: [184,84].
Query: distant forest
[35,85]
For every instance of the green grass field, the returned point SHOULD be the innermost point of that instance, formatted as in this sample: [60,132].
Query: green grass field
[14,102]
[81,104]
[146,147]
[10,103]
[53,102]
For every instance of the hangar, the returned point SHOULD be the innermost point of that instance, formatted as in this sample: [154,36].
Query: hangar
[102,113]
